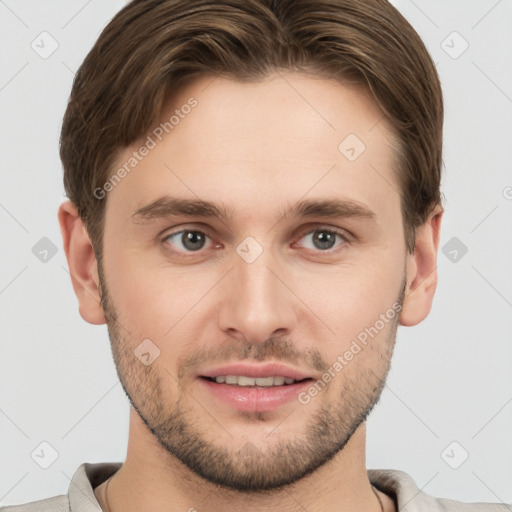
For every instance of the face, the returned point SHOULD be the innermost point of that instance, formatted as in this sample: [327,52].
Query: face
[260,239]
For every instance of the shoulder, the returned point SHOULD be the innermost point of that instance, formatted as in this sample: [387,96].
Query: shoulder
[55,504]
[409,498]
[80,497]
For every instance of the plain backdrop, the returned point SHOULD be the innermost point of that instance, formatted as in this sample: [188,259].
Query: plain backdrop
[445,416]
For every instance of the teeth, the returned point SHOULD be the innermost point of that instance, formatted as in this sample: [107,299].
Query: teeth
[242,380]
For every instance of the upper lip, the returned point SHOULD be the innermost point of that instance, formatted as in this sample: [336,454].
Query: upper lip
[257,370]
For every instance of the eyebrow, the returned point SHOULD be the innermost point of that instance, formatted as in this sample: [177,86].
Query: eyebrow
[167,206]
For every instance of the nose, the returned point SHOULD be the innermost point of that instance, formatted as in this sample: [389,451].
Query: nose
[257,300]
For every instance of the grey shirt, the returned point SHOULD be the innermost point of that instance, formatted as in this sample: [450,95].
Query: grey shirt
[396,484]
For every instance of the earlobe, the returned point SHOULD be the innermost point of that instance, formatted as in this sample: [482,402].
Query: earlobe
[422,271]
[82,263]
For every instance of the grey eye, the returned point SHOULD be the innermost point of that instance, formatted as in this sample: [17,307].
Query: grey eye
[323,239]
[188,240]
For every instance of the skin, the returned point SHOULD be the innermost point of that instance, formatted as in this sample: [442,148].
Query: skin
[255,148]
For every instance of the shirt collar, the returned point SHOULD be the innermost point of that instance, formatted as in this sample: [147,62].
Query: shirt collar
[398,485]
[81,489]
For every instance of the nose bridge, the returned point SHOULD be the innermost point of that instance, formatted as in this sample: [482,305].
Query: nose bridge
[257,282]
[257,302]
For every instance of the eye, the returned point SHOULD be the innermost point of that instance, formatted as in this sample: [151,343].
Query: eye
[324,239]
[187,240]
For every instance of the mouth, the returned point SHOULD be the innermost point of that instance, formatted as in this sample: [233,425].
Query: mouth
[255,382]
[247,374]
[254,388]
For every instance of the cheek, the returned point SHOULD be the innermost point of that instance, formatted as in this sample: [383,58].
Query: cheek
[154,302]
[352,297]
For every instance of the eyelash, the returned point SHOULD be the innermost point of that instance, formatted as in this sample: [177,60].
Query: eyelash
[342,234]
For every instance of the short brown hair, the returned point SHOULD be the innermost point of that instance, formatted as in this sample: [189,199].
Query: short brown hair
[151,47]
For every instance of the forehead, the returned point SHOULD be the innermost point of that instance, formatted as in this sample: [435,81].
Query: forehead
[255,146]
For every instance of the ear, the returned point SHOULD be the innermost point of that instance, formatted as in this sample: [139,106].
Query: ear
[421,271]
[82,263]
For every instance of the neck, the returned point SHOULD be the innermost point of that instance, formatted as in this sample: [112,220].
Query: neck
[151,478]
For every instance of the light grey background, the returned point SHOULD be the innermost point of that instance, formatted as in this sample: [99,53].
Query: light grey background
[451,378]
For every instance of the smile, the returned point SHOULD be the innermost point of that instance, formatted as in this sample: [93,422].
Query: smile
[243,380]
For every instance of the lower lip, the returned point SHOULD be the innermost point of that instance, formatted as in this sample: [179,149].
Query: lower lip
[255,399]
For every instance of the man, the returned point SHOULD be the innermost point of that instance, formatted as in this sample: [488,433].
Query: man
[254,209]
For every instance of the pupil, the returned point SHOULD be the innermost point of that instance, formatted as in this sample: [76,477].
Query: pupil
[324,239]
[193,240]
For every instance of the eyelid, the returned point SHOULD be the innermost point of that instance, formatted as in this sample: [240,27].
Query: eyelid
[325,227]
[186,227]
